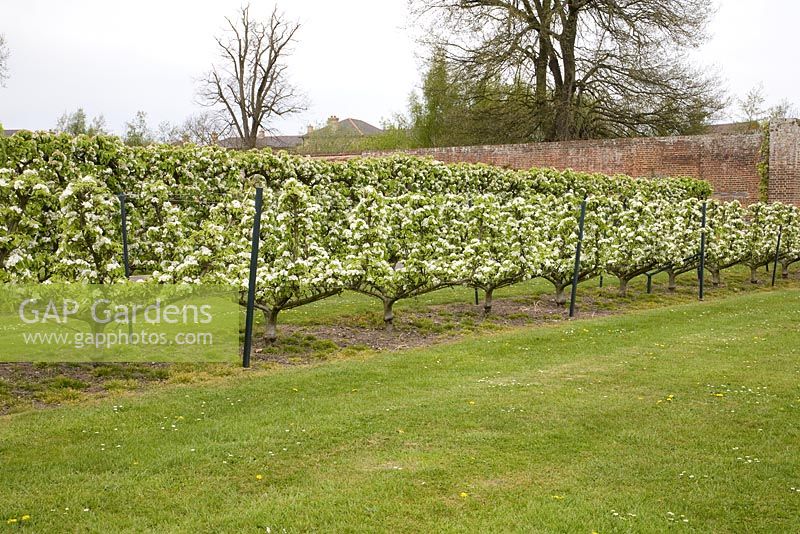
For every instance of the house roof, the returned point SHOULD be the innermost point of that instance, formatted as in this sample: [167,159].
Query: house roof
[347,127]
[732,128]
[9,133]
[339,128]
[269,141]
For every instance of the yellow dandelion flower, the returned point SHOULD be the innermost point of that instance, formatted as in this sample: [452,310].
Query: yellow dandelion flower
[259,476]
[472,402]
[26,517]
[558,497]
[11,520]
[463,494]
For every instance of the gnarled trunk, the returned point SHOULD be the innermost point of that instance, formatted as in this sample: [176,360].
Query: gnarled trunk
[753,275]
[271,326]
[487,303]
[623,287]
[388,314]
[672,283]
[784,269]
[715,277]
[561,297]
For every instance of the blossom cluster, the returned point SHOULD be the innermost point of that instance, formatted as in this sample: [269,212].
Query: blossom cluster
[392,228]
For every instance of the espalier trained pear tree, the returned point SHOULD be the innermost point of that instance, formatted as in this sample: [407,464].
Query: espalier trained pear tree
[392,228]
[726,229]
[400,247]
[557,216]
[790,241]
[765,220]
[494,244]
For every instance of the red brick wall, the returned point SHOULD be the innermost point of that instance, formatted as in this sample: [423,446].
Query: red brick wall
[727,161]
[784,167]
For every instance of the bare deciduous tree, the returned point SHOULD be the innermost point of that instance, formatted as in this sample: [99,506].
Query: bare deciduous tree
[597,68]
[78,123]
[753,109]
[250,83]
[205,128]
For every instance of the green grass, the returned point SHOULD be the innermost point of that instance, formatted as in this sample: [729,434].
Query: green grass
[630,423]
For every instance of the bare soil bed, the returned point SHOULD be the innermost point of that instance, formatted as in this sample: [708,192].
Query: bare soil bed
[413,328]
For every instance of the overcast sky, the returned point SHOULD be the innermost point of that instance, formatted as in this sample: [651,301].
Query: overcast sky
[354,58]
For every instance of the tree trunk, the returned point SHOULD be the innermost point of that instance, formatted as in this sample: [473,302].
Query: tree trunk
[540,68]
[753,275]
[715,277]
[784,269]
[672,283]
[388,314]
[563,117]
[487,303]
[623,287]
[565,90]
[561,297]
[271,326]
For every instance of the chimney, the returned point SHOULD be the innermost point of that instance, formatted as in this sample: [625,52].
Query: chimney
[214,138]
[309,128]
[261,133]
[333,121]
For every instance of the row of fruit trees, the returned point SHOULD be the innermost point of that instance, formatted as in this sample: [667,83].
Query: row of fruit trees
[391,228]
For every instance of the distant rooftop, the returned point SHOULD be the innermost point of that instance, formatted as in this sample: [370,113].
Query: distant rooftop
[265,141]
[729,128]
[345,127]
[336,128]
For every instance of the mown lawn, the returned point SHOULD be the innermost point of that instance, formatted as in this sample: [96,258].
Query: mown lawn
[685,417]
